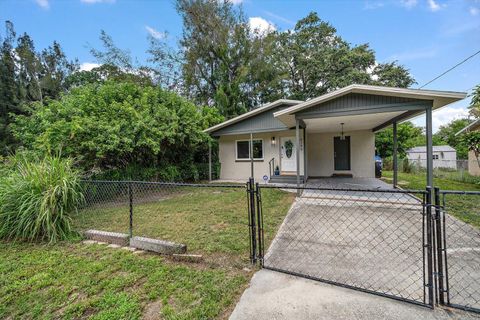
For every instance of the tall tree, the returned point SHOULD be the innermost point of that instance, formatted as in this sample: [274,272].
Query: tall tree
[27,76]
[9,90]
[317,60]
[216,52]
[55,68]
[111,54]
[29,69]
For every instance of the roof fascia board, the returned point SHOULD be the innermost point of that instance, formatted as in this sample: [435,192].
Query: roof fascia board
[251,114]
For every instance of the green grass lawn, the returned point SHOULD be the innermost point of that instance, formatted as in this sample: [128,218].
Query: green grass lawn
[210,221]
[72,280]
[464,207]
[418,181]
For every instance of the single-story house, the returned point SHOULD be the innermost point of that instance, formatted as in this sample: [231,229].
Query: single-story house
[443,156]
[473,167]
[330,135]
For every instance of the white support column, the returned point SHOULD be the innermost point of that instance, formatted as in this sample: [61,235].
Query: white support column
[428,133]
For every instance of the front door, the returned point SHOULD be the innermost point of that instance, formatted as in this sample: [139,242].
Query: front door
[341,153]
[288,154]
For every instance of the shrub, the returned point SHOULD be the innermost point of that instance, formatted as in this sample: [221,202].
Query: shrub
[37,198]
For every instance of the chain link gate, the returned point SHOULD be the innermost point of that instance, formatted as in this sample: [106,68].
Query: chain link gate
[457,219]
[375,241]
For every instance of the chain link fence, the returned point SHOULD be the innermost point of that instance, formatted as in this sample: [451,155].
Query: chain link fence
[209,219]
[370,240]
[458,243]
[400,244]
[456,170]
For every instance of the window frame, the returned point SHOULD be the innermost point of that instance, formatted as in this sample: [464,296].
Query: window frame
[249,149]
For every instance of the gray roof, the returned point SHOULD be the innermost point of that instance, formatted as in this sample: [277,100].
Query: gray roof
[423,149]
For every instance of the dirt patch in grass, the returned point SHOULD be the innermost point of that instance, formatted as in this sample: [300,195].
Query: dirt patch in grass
[153,310]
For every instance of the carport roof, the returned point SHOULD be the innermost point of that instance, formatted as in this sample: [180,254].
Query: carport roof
[438,98]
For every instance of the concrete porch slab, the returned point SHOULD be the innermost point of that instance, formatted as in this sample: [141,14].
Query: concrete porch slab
[274,295]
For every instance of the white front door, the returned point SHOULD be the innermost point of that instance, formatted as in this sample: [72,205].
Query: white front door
[288,154]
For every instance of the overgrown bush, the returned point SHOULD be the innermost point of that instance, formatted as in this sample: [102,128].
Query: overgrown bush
[116,126]
[37,198]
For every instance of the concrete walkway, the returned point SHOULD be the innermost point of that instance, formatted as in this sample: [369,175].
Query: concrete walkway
[274,295]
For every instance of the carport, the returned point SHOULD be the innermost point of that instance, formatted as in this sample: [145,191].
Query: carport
[328,123]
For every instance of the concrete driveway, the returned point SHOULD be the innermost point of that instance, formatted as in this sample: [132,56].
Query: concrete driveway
[368,240]
[277,296]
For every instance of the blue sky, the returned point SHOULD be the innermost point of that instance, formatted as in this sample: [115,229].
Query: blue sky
[427,36]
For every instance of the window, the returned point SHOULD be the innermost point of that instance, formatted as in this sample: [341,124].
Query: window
[243,149]
[435,157]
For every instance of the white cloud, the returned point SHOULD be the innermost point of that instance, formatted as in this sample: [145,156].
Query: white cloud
[155,33]
[87,66]
[434,6]
[97,1]
[474,11]
[443,117]
[43,3]
[235,2]
[408,3]
[260,25]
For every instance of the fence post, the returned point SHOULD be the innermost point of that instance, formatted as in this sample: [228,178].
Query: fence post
[429,248]
[440,251]
[251,219]
[259,223]
[130,200]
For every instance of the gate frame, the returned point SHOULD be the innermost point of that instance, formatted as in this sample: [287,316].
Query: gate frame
[443,290]
[428,236]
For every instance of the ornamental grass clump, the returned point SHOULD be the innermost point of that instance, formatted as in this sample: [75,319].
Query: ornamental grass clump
[37,199]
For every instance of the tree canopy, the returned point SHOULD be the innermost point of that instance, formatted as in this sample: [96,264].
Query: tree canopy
[26,76]
[112,125]
[228,65]
[408,136]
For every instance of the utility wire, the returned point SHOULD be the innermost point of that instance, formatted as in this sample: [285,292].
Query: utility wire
[455,66]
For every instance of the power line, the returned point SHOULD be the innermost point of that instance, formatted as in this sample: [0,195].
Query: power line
[455,66]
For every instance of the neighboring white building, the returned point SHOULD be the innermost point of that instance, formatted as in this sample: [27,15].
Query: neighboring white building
[443,156]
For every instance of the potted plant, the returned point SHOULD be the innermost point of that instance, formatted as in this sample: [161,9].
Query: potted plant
[277,171]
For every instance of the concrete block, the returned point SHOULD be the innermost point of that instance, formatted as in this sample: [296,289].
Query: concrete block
[159,246]
[110,237]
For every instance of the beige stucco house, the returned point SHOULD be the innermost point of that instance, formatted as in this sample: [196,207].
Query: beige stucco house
[473,167]
[330,135]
